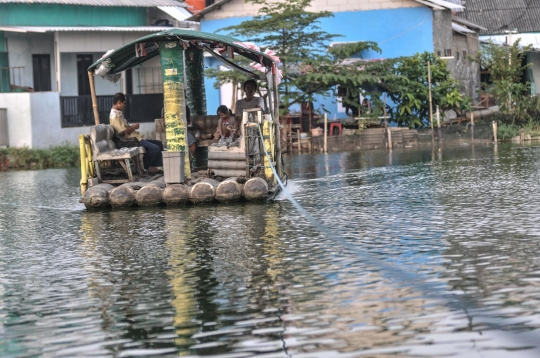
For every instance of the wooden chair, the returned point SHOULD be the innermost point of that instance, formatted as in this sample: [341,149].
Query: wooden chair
[104,150]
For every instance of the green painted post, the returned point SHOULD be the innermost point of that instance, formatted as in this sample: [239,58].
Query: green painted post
[195,80]
[4,65]
[172,67]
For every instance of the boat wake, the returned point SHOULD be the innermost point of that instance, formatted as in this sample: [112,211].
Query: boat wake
[292,188]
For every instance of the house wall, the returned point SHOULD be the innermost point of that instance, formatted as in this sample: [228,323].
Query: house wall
[398,31]
[239,8]
[21,47]
[72,44]
[68,77]
[466,72]
[96,41]
[46,126]
[69,15]
[442,32]
[534,58]
[19,118]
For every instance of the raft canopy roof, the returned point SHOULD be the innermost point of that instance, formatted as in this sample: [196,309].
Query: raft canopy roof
[125,57]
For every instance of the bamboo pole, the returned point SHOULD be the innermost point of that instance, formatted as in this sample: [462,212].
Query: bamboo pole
[94,98]
[389,137]
[325,135]
[384,111]
[279,169]
[84,173]
[494,124]
[429,95]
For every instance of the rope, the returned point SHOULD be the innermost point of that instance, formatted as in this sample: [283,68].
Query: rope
[397,272]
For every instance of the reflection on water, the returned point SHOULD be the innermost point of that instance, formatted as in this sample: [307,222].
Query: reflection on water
[461,225]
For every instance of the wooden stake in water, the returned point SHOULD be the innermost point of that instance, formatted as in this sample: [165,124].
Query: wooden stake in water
[494,124]
[325,128]
[429,96]
[438,117]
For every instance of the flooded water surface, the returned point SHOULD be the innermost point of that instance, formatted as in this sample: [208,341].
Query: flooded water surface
[410,253]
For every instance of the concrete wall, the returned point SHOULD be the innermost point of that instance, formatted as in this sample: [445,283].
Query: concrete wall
[19,116]
[96,41]
[442,32]
[466,72]
[69,81]
[239,8]
[34,121]
[46,126]
[534,58]
[21,47]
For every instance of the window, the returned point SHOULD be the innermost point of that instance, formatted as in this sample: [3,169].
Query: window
[448,52]
[83,62]
[464,54]
[41,68]
[439,53]
[457,55]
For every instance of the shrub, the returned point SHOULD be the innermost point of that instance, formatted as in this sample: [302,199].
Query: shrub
[61,156]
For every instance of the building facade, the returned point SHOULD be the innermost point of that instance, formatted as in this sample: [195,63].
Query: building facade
[400,27]
[504,23]
[45,50]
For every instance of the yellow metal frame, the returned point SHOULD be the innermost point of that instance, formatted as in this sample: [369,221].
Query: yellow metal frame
[268,139]
[87,163]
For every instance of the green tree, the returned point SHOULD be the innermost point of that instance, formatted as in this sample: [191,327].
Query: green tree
[409,91]
[309,67]
[506,66]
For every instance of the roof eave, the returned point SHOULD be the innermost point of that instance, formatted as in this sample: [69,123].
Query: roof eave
[468,23]
[214,6]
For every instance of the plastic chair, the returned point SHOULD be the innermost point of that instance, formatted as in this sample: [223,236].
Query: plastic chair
[336,125]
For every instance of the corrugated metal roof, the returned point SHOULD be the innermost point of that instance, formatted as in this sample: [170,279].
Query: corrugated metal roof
[84,28]
[467,23]
[462,29]
[177,12]
[124,3]
[498,16]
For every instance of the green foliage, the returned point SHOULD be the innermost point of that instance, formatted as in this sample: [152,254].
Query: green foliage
[507,131]
[505,65]
[525,114]
[311,68]
[409,91]
[26,158]
[294,34]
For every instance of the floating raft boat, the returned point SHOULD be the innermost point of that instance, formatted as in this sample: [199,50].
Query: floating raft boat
[155,192]
[243,167]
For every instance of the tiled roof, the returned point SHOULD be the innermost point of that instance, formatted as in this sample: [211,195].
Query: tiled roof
[498,16]
[122,3]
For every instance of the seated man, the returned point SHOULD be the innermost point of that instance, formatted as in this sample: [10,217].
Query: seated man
[153,157]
